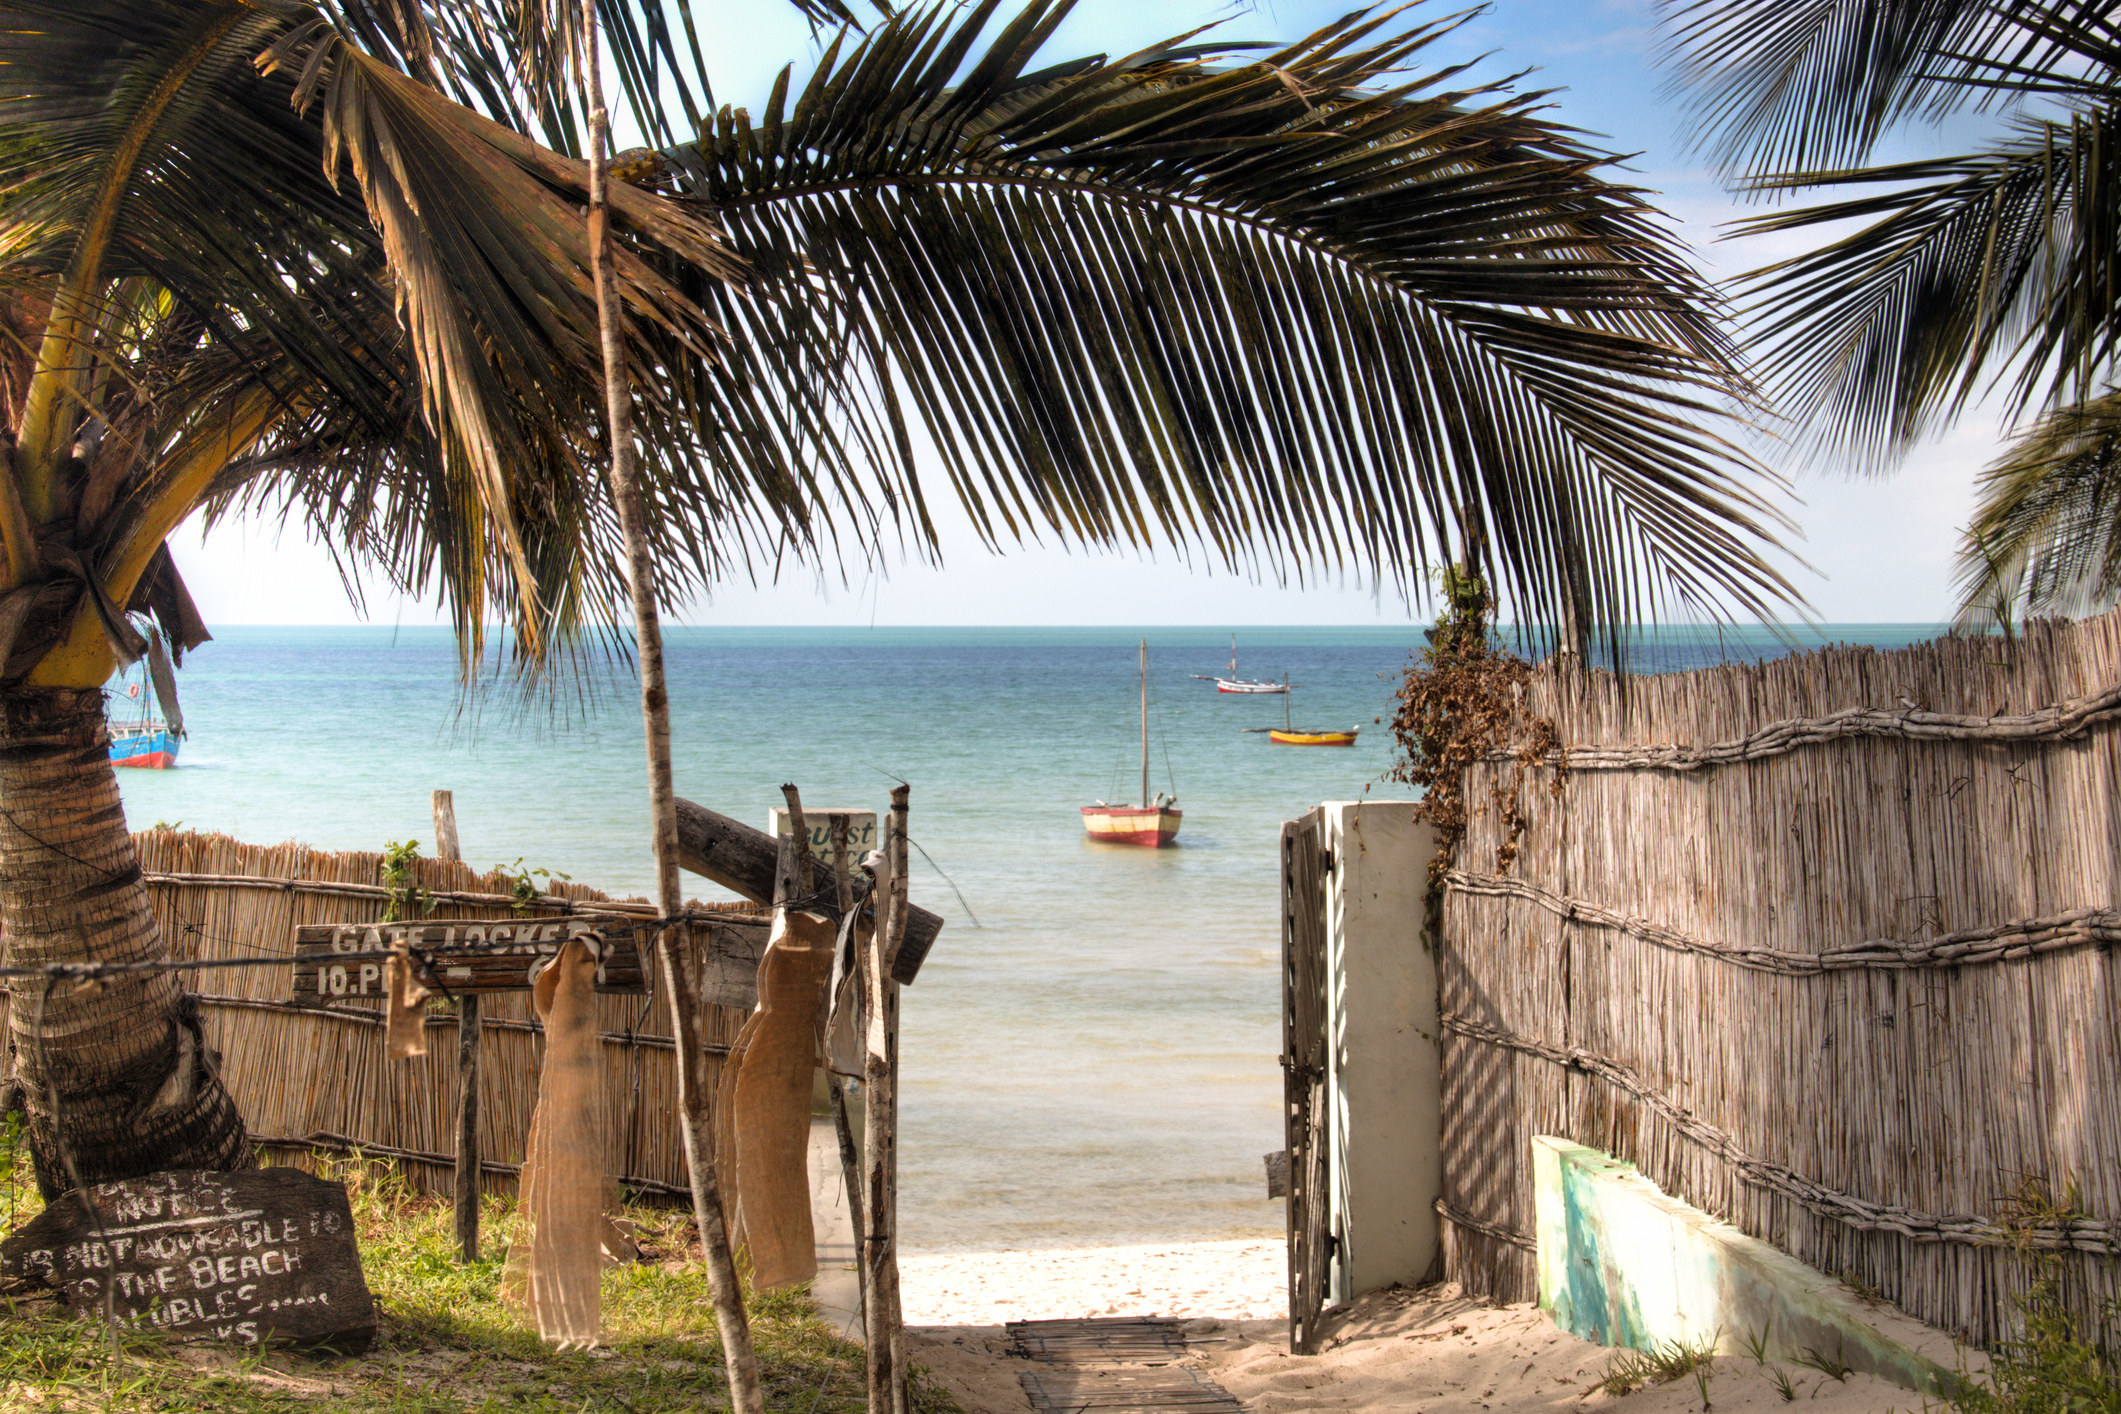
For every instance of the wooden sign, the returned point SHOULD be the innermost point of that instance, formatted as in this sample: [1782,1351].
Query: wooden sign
[861,831]
[343,962]
[743,859]
[253,1257]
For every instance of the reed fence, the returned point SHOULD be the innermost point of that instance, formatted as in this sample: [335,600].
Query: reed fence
[308,1079]
[1825,945]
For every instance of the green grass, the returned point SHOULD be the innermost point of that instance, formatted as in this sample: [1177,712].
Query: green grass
[446,1344]
[1674,1360]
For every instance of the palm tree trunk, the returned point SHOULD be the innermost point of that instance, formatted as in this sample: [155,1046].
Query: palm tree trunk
[679,983]
[116,1074]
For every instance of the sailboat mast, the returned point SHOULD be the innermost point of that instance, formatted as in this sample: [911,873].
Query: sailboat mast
[1145,721]
[1287,723]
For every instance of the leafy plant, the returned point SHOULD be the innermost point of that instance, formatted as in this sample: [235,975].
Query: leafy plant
[2055,1365]
[1461,701]
[406,896]
[523,884]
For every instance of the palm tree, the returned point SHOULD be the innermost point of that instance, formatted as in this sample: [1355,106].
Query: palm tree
[1985,275]
[1285,306]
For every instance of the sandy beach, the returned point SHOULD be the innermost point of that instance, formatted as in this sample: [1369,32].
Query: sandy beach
[1233,1281]
[1395,1352]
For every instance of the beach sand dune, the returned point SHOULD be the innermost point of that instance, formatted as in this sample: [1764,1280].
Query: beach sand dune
[1394,1352]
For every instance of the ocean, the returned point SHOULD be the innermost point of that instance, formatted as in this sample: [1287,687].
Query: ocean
[1089,1055]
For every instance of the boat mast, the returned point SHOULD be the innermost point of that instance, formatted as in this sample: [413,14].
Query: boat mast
[1145,721]
[1285,722]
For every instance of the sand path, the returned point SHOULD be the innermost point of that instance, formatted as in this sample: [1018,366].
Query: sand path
[1395,1352]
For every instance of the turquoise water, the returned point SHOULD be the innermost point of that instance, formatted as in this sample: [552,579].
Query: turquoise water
[1093,1060]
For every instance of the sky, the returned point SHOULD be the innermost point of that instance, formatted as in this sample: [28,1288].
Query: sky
[1869,548]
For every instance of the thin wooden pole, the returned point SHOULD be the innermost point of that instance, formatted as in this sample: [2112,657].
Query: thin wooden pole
[842,1122]
[680,982]
[881,1316]
[468,1155]
[1145,725]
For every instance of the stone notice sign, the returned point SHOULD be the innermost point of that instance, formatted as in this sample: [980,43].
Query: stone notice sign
[256,1256]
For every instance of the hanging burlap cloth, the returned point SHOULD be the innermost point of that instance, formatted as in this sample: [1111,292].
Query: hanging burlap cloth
[553,1266]
[762,1114]
[404,1006]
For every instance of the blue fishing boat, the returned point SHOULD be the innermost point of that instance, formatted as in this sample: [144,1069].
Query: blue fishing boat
[138,735]
[153,746]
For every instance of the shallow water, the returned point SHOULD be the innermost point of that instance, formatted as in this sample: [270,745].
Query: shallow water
[1093,1060]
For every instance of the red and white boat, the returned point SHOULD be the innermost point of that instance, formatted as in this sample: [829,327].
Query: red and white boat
[1234,683]
[1152,825]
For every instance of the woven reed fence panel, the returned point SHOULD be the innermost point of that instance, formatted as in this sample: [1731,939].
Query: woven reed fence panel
[1825,945]
[307,1078]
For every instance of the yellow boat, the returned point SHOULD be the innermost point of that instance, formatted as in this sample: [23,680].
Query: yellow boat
[1291,736]
[1288,735]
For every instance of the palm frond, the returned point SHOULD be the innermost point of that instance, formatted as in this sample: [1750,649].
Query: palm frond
[1994,264]
[1298,309]
[1801,85]
[275,211]
[2046,533]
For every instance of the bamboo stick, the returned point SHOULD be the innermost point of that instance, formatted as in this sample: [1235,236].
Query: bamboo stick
[882,1321]
[681,983]
[842,1122]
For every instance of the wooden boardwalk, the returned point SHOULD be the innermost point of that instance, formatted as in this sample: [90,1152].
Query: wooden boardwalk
[1114,1365]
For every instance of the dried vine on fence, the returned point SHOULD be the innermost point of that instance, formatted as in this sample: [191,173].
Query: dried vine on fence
[1463,701]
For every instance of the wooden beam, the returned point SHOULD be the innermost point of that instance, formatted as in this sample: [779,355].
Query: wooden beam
[738,857]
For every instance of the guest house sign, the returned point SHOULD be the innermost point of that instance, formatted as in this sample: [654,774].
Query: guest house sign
[344,962]
[337,962]
[251,1257]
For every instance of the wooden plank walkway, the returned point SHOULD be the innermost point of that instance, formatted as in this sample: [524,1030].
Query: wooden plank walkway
[1119,1365]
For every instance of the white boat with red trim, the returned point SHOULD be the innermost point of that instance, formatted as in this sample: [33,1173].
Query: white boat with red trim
[1152,824]
[1236,684]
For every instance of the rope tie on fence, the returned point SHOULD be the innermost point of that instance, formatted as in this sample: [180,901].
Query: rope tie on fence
[2000,942]
[2061,722]
[1459,1217]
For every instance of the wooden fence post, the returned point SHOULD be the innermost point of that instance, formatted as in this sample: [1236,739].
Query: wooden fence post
[842,1123]
[882,1323]
[467,1176]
